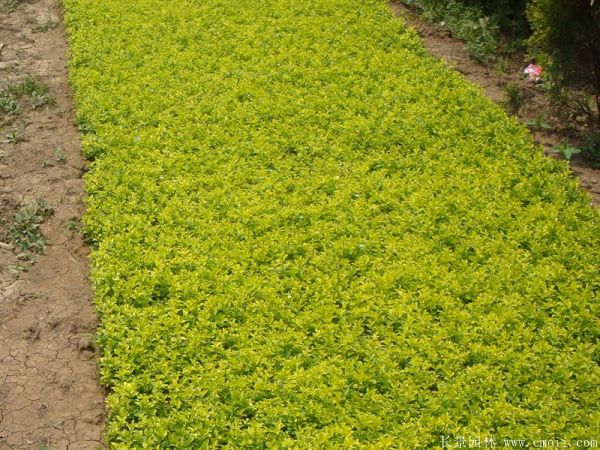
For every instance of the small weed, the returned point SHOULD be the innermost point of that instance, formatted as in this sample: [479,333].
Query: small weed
[43,446]
[17,268]
[30,86]
[38,101]
[11,5]
[38,93]
[48,23]
[538,124]
[14,136]
[566,150]
[481,39]
[515,99]
[9,104]
[74,224]
[502,66]
[25,231]
[59,155]
[59,158]
[25,256]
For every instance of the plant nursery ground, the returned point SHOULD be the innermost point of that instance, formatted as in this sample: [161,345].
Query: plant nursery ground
[309,233]
[306,231]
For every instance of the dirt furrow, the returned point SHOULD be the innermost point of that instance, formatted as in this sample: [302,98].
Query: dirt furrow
[49,392]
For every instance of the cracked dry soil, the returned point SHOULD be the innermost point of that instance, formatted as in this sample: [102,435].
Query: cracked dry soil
[49,392]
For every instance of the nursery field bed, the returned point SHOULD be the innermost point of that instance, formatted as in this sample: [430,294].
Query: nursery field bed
[49,393]
[452,51]
[309,233]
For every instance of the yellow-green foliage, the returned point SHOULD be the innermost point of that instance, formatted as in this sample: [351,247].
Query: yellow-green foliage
[310,234]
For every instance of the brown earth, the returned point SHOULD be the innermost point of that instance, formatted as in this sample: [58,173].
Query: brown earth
[49,392]
[441,44]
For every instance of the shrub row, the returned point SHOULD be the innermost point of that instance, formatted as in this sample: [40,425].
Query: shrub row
[308,233]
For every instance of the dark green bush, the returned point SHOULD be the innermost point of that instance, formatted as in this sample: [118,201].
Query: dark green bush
[465,22]
[509,12]
[566,37]
[479,23]
[591,149]
[509,15]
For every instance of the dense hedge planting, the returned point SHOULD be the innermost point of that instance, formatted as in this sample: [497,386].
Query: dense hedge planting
[308,233]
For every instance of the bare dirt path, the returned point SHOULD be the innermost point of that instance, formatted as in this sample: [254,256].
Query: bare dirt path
[440,43]
[49,393]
